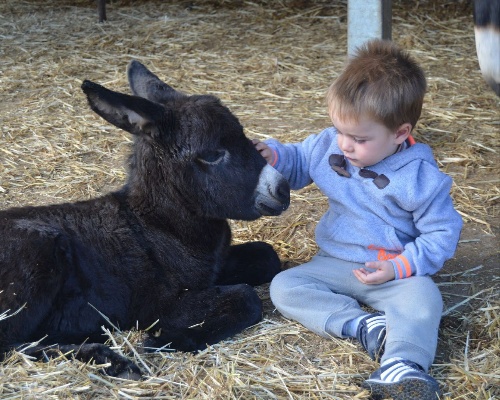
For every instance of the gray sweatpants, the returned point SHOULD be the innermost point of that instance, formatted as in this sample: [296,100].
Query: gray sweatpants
[324,294]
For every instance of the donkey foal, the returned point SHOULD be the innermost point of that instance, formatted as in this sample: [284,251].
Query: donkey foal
[158,249]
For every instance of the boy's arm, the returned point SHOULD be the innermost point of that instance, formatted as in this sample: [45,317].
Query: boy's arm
[439,226]
[293,160]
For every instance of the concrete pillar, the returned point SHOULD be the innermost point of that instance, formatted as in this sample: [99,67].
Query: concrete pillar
[367,19]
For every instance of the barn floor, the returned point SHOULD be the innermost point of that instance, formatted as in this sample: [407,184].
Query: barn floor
[270,62]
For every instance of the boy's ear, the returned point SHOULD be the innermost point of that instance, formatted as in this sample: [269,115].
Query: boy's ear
[403,132]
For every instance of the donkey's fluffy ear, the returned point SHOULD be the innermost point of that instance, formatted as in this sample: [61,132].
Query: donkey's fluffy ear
[145,84]
[131,113]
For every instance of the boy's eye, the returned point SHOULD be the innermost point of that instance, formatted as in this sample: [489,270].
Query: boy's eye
[359,140]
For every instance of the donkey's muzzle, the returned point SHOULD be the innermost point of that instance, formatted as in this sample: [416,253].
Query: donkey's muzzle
[272,192]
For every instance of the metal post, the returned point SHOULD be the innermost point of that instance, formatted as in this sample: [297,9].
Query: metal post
[367,19]
[101,10]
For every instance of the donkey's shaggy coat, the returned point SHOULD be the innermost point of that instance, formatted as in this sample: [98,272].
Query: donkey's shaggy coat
[156,250]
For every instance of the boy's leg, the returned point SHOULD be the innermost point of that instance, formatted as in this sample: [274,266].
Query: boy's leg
[323,292]
[326,287]
[316,293]
[413,308]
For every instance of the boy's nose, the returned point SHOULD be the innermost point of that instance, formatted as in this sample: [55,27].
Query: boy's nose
[346,144]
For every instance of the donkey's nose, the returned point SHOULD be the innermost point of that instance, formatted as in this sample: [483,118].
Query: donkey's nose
[272,192]
[283,194]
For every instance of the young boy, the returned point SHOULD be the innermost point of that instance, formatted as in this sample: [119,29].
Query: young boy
[390,223]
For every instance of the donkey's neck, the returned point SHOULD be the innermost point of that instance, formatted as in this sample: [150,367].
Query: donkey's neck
[171,212]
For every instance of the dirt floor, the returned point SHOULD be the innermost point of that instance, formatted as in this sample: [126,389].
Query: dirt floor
[474,271]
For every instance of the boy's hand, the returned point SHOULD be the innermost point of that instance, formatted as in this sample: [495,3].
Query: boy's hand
[264,150]
[384,273]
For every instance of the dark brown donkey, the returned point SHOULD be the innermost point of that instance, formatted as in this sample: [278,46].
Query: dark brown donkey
[158,249]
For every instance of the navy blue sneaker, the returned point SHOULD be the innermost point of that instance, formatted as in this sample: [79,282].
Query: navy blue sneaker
[371,334]
[402,380]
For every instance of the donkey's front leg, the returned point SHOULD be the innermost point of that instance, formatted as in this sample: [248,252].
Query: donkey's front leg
[253,263]
[206,317]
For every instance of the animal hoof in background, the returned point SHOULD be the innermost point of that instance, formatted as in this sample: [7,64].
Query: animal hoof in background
[487,32]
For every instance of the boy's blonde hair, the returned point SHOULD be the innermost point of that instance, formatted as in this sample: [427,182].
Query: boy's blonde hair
[381,81]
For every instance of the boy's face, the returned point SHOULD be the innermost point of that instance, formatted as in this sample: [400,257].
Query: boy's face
[367,142]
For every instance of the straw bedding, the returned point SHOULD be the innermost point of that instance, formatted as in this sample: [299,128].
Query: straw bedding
[271,63]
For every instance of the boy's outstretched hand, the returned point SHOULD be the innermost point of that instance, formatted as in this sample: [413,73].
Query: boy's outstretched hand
[384,272]
[264,150]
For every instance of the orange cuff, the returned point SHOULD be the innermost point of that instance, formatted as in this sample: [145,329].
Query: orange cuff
[402,267]
[275,157]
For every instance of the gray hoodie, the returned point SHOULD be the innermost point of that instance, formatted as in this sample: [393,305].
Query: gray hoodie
[410,222]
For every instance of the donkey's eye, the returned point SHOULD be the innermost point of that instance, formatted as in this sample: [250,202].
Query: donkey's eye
[213,157]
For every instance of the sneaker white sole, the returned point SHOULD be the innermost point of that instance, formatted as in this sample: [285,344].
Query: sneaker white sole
[406,389]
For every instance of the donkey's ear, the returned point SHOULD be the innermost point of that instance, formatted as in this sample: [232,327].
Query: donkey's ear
[131,113]
[145,84]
